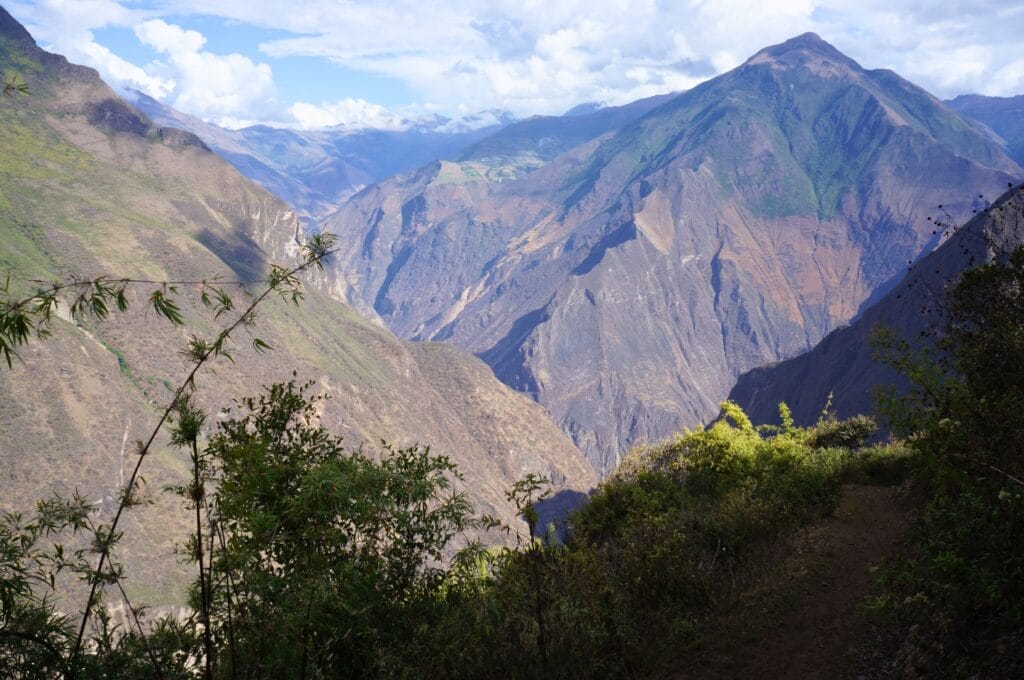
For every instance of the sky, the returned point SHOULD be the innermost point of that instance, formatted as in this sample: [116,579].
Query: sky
[317,63]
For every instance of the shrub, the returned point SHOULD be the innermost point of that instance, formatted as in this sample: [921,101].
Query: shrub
[680,529]
[852,433]
[890,463]
[326,558]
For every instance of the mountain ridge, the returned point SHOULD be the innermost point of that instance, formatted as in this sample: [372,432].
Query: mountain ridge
[316,170]
[1004,116]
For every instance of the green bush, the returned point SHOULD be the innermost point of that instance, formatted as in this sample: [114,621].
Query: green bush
[851,433]
[328,557]
[890,463]
[318,560]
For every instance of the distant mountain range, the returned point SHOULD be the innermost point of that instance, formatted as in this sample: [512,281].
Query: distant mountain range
[316,170]
[89,186]
[528,144]
[623,265]
[624,279]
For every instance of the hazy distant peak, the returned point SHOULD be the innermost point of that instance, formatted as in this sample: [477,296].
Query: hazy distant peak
[984,100]
[474,121]
[584,109]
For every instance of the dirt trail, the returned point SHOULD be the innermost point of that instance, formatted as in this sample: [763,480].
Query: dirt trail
[807,623]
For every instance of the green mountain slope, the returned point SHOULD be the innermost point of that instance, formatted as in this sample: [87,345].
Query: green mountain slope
[88,186]
[528,144]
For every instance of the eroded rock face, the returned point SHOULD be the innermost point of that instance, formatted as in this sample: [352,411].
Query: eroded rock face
[626,283]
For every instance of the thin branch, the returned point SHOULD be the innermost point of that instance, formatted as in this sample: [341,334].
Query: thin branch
[204,589]
[133,611]
[142,635]
[229,600]
[1004,474]
[61,286]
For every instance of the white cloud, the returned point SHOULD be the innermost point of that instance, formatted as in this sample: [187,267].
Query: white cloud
[534,56]
[1008,80]
[230,90]
[66,26]
[116,70]
[164,37]
[354,113]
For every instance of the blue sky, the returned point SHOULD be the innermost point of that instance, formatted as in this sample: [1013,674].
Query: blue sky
[313,63]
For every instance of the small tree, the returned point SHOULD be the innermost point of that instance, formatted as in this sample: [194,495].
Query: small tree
[320,559]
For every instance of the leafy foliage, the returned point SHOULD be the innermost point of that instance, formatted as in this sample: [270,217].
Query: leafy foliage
[317,561]
[850,433]
[13,84]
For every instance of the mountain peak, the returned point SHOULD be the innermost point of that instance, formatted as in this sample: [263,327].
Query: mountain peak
[809,40]
[804,48]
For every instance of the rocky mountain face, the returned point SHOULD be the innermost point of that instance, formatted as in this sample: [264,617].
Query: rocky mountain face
[316,170]
[628,281]
[843,364]
[1003,115]
[90,186]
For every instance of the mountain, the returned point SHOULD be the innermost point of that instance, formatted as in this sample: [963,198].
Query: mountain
[843,364]
[315,170]
[627,282]
[90,186]
[1003,115]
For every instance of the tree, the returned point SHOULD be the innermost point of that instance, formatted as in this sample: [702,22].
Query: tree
[319,558]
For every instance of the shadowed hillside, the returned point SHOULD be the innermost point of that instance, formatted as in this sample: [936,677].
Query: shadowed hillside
[843,364]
